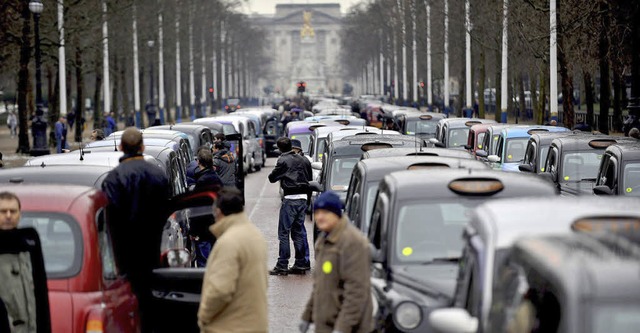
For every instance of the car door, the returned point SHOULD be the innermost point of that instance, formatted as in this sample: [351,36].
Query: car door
[176,290]
[23,246]
[237,148]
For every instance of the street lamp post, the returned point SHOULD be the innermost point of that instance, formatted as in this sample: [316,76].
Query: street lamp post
[38,125]
[151,107]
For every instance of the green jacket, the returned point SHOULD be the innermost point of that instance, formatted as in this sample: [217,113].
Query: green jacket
[341,296]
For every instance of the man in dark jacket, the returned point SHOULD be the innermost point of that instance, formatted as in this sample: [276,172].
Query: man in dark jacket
[224,164]
[294,173]
[137,191]
[205,176]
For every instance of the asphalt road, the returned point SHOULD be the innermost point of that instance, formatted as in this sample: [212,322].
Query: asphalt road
[287,294]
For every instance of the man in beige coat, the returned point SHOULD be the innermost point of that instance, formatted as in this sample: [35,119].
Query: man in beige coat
[234,290]
[341,296]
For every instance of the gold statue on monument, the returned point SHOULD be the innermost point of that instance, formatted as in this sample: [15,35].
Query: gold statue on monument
[307,29]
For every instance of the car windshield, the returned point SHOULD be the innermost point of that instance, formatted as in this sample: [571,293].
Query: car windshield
[322,144]
[371,190]
[494,143]
[515,150]
[421,127]
[631,179]
[544,151]
[61,240]
[480,140]
[581,165]
[431,230]
[616,317]
[228,129]
[458,137]
[341,173]
[304,140]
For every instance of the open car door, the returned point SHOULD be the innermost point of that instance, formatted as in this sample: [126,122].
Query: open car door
[238,150]
[23,283]
[177,289]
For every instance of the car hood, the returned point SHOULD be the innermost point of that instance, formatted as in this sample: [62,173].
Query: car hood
[61,309]
[438,278]
[576,188]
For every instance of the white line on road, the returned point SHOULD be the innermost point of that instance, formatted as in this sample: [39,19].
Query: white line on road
[260,196]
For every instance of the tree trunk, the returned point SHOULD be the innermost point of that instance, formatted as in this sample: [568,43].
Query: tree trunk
[23,80]
[498,103]
[589,94]
[523,102]
[125,94]
[483,77]
[79,95]
[605,90]
[534,96]
[115,101]
[617,99]
[97,116]
[53,87]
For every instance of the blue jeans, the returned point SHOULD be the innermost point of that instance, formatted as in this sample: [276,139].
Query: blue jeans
[292,214]
[203,248]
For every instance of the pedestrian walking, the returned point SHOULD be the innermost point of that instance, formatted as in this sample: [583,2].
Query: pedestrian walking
[234,288]
[224,164]
[61,134]
[137,191]
[12,123]
[341,297]
[294,173]
[110,125]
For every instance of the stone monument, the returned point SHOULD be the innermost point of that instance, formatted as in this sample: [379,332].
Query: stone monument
[307,67]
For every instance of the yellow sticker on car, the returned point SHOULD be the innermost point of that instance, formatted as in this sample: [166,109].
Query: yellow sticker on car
[629,190]
[479,146]
[327,267]
[319,155]
[407,251]
[510,156]
[566,177]
[293,137]
[542,169]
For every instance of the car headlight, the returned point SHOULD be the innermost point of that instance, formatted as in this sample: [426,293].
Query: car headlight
[408,315]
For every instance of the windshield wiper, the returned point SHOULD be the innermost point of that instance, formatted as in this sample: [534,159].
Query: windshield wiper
[588,179]
[443,259]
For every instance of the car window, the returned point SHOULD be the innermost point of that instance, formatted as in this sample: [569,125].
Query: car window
[581,165]
[515,150]
[420,240]
[480,140]
[551,162]
[458,137]
[341,172]
[621,317]
[109,268]
[322,143]
[610,173]
[631,181]
[530,153]
[375,232]
[305,139]
[61,240]
[420,127]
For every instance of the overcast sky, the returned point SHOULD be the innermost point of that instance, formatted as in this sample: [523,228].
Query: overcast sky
[269,6]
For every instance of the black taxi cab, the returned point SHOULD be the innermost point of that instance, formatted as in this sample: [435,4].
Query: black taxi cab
[537,148]
[368,173]
[493,230]
[416,151]
[619,172]
[571,283]
[454,132]
[415,235]
[573,162]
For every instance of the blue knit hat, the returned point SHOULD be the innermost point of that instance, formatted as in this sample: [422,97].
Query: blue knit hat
[330,201]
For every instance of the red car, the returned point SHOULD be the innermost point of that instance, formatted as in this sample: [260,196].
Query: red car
[86,293]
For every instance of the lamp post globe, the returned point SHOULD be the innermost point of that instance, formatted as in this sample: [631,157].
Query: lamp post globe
[39,123]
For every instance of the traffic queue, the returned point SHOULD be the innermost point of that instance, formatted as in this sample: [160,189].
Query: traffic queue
[473,226]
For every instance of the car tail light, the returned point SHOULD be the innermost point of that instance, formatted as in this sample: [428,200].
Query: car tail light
[94,325]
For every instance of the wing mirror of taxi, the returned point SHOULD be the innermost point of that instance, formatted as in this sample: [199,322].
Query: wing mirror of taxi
[453,320]
[467,147]
[602,190]
[494,158]
[316,165]
[433,141]
[316,186]
[525,167]
[481,153]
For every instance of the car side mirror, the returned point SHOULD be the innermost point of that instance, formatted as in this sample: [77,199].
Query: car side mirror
[481,153]
[453,320]
[467,147]
[494,158]
[316,186]
[433,141]
[525,167]
[602,190]
[376,254]
[316,165]
[439,145]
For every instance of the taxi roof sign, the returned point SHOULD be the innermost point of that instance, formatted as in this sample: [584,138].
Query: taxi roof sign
[426,117]
[471,123]
[537,130]
[342,121]
[601,144]
[615,224]
[421,166]
[476,186]
[375,145]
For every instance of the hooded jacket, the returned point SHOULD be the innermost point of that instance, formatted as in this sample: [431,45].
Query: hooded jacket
[234,289]
[341,296]
[207,179]
[294,173]
[225,165]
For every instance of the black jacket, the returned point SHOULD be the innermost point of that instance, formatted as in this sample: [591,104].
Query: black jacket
[294,173]
[138,194]
[225,166]
[207,179]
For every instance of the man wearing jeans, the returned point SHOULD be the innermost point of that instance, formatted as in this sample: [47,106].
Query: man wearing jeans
[294,173]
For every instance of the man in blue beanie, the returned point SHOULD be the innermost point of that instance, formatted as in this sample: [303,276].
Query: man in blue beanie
[342,273]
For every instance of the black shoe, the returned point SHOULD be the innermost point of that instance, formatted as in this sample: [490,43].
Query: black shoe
[278,271]
[298,270]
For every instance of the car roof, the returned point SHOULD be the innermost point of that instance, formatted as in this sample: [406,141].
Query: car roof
[416,115]
[345,132]
[87,175]
[58,197]
[462,122]
[303,126]
[105,158]
[425,151]
[377,168]
[581,142]
[626,150]
[545,138]
[526,131]
[208,122]
[502,222]
[396,139]
[182,127]
[567,259]
[323,131]
[434,183]
[114,142]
